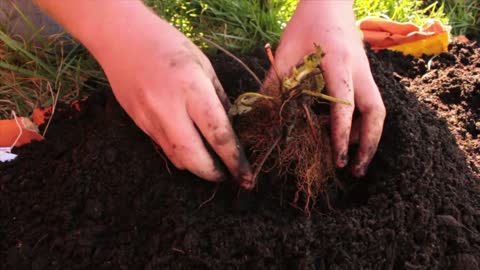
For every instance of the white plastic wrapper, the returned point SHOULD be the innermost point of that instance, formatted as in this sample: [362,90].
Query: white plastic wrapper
[6,155]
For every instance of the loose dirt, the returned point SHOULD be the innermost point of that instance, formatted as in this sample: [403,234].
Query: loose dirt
[97,193]
[449,84]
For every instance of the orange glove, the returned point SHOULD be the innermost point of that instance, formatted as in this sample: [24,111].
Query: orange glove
[17,131]
[431,38]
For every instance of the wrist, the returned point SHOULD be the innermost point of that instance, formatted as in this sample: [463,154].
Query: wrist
[117,26]
[104,25]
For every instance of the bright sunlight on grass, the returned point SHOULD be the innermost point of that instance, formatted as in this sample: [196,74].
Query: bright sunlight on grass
[403,11]
[246,25]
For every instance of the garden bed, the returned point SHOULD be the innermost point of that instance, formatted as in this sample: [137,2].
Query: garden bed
[98,194]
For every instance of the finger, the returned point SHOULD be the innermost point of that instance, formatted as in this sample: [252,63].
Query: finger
[189,148]
[159,137]
[370,105]
[355,131]
[186,146]
[156,133]
[339,84]
[209,115]
[270,83]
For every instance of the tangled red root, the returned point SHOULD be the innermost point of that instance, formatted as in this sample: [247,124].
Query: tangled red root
[303,152]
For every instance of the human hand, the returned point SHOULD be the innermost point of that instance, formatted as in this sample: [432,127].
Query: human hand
[331,24]
[169,88]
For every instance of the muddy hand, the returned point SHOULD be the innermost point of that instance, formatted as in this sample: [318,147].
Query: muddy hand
[172,93]
[164,82]
[331,24]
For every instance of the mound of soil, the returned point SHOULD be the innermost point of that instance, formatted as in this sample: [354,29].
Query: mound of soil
[97,194]
[450,85]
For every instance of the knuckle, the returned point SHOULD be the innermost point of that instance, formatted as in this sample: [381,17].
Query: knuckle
[185,60]
[343,54]
[382,111]
[338,56]
[379,110]
[374,108]
[222,136]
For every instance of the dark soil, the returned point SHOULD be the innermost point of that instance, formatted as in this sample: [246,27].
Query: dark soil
[97,194]
[450,85]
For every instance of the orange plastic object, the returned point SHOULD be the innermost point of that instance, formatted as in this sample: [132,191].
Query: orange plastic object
[40,116]
[431,38]
[431,45]
[10,131]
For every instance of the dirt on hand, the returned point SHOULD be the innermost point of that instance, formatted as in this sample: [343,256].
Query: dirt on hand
[96,194]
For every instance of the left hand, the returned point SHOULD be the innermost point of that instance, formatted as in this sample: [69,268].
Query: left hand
[331,24]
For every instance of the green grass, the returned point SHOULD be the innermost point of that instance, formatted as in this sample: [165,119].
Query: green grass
[237,25]
[180,13]
[400,10]
[36,74]
[464,16]
[244,25]
[42,70]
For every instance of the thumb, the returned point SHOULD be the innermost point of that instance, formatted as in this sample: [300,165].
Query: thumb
[271,82]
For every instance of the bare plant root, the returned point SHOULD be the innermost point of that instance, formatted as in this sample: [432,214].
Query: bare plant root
[286,133]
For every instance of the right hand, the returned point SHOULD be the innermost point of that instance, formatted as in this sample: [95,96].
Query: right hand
[169,88]
[331,24]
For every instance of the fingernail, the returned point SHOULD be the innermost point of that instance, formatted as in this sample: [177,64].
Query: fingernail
[245,182]
[342,160]
[359,171]
[245,175]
